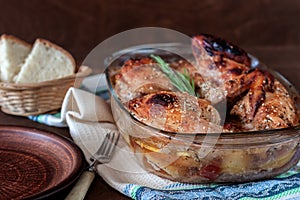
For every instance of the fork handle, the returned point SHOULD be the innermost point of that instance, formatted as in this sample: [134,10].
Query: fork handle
[80,189]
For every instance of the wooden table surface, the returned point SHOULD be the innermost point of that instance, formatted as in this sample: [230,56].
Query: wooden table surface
[267,29]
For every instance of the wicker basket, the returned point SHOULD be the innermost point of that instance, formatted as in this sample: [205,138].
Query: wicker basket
[37,98]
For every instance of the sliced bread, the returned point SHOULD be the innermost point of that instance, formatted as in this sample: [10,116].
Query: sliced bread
[13,52]
[46,61]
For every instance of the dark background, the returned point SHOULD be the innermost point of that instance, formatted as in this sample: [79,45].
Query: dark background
[79,25]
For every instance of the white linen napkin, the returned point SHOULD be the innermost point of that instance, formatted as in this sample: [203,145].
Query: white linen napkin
[88,117]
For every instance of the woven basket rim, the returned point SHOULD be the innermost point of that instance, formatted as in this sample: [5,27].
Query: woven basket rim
[83,71]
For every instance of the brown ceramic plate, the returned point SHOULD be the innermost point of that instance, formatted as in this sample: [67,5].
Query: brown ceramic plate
[36,164]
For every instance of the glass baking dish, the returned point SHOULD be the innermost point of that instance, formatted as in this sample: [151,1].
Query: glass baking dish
[202,158]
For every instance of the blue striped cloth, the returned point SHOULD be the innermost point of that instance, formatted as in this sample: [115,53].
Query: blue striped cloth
[286,186]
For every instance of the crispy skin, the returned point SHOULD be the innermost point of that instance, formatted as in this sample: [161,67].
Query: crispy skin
[260,102]
[219,48]
[277,111]
[233,64]
[138,77]
[175,112]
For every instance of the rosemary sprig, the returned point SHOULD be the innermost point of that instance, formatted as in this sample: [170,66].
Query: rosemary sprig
[183,82]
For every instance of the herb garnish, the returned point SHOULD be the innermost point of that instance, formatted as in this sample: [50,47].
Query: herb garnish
[183,82]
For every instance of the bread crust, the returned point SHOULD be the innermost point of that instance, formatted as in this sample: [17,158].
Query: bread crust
[62,50]
[15,39]
[10,69]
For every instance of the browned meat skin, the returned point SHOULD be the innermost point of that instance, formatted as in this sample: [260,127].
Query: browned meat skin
[277,111]
[138,77]
[143,76]
[130,64]
[234,65]
[262,102]
[175,112]
[219,48]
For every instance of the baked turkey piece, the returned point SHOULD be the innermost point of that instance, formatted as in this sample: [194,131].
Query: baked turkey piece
[259,101]
[176,112]
[277,111]
[138,77]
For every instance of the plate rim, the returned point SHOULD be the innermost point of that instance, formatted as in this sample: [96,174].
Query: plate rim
[74,175]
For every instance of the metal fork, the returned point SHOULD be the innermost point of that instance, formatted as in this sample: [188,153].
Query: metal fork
[102,155]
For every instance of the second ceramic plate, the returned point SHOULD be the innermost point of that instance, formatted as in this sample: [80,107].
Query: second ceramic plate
[36,163]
